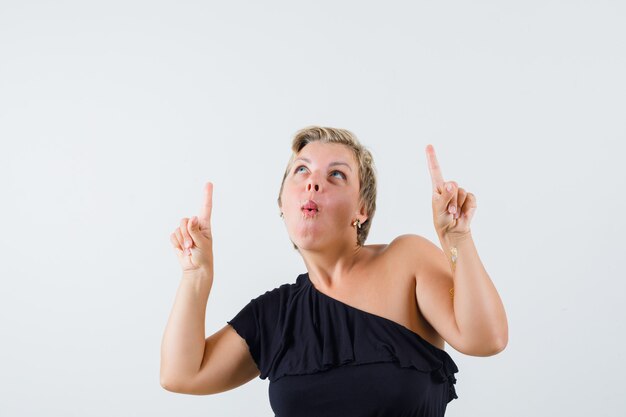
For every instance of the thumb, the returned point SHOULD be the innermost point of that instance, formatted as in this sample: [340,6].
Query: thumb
[443,196]
[450,195]
[194,231]
[449,189]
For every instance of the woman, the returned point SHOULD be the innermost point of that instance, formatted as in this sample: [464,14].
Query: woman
[362,331]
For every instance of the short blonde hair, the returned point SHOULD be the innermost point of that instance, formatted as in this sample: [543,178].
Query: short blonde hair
[365,162]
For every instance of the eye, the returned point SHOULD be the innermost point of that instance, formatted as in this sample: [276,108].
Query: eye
[295,171]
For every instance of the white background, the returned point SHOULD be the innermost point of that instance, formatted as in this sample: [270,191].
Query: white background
[113,115]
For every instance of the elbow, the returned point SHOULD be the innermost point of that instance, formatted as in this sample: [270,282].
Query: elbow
[169,385]
[504,341]
[483,349]
[498,346]
[497,342]
[166,385]
[164,380]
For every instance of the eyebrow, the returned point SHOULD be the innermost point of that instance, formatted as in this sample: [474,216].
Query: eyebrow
[330,165]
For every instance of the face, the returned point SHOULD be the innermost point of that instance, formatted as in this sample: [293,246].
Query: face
[326,173]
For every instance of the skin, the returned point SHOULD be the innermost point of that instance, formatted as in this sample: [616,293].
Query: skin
[410,280]
[327,241]
[406,281]
[378,279]
[453,209]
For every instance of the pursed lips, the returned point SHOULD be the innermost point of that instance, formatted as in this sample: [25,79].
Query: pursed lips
[310,208]
[310,205]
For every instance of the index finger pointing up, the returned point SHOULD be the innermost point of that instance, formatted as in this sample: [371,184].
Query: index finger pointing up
[207,205]
[433,166]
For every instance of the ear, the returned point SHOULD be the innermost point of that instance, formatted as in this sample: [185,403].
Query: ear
[363,213]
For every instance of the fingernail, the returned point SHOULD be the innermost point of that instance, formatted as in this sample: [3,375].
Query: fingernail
[452,209]
[449,187]
[187,243]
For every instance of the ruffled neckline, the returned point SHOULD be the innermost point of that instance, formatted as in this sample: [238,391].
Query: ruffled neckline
[307,281]
[299,330]
[345,334]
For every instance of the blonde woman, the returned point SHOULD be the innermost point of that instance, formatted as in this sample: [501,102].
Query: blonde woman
[362,331]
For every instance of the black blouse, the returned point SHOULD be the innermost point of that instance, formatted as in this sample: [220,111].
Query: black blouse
[326,358]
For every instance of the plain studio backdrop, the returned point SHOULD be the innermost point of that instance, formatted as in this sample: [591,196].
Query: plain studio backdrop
[113,116]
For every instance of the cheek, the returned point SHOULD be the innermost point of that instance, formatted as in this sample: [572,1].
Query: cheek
[286,196]
[341,207]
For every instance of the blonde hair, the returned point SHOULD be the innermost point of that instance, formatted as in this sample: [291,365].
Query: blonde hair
[365,162]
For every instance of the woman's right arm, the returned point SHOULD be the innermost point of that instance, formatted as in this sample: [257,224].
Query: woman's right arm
[189,363]
[182,348]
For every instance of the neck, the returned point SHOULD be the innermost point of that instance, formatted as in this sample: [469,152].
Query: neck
[327,268]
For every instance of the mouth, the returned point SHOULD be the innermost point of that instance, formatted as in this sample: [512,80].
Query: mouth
[309,205]
[309,212]
[309,208]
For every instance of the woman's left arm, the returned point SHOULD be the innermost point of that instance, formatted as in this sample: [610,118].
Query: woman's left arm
[477,308]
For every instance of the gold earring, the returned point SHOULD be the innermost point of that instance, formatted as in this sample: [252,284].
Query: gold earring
[357,223]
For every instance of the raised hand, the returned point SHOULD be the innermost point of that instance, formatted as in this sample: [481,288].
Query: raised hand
[193,240]
[453,208]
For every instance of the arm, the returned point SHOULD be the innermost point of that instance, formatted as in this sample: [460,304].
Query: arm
[473,316]
[189,363]
[182,348]
[459,299]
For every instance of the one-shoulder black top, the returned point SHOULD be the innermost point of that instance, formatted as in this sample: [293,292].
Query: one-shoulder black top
[326,358]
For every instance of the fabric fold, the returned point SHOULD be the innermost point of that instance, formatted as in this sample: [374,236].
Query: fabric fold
[297,330]
[312,332]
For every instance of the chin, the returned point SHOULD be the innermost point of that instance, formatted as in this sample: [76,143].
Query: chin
[308,243]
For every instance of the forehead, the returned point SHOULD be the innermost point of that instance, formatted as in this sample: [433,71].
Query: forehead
[326,151]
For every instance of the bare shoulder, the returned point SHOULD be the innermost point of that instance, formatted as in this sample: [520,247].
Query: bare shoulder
[411,247]
[406,258]
[423,253]
[434,283]
[400,258]
[408,239]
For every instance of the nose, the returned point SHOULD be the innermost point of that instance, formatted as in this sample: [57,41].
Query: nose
[313,183]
